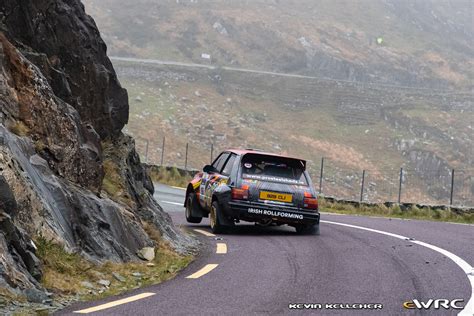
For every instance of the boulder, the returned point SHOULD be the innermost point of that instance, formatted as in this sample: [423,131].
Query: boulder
[146,253]
[118,277]
[88,285]
[36,296]
[105,283]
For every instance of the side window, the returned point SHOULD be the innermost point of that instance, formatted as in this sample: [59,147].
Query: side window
[216,161]
[228,166]
[218,164]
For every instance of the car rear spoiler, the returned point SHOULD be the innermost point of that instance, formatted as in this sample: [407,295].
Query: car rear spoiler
[297,161]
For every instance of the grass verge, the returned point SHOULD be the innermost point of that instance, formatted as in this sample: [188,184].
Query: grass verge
[69,274]
[398,211]
[170,175]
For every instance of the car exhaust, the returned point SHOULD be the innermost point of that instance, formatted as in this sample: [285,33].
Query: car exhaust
[264,222]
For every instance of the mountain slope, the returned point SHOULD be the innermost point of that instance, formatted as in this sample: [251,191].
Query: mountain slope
[406,102]
[425,43]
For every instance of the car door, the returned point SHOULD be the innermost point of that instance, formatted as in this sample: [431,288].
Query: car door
[209,181]
[227,175]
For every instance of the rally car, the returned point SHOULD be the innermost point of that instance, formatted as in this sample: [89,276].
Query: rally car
[253,186]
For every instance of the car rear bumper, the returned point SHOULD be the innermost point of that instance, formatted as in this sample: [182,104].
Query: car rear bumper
[254,212]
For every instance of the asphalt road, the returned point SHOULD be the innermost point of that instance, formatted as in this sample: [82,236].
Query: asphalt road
[263,270]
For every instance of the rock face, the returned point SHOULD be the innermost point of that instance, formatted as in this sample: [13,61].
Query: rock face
[66,45]
[67,173]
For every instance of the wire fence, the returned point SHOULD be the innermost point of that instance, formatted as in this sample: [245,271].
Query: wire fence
[401,184]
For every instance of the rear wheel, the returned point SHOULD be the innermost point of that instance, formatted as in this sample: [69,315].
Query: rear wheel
[192,204]
[307,229]
[216,225]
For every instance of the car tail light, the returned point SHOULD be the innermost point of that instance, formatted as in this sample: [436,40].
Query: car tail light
[310,202]
[240,193]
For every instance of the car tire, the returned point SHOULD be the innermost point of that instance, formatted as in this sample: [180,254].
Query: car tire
[192,204]
[307,229]
[214,219]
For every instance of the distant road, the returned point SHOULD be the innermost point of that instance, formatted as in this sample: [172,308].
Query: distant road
[260,271]
[271,73]
[177,63]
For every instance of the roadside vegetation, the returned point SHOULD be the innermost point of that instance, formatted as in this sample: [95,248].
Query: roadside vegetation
[19,128]
[398,211]
[113,183]
[71,277]
[170,175]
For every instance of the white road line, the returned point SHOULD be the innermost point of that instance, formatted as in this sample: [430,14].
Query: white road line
[466,267]
[180,188]
[221,248]
[174,203]
[393,218]
[115,303]
[205,233]
[205,270]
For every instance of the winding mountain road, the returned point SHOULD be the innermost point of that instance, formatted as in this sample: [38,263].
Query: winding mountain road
[263,271]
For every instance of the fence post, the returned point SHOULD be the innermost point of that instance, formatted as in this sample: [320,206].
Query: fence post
[186,157]
[452,188]
[146,151]
[400,186]
[212,150]
[321,176]
[362,186]
[163,150]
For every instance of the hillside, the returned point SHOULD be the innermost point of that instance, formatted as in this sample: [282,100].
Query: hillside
[425,43]
[369,107]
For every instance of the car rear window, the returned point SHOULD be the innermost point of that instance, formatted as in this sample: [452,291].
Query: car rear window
[273,169]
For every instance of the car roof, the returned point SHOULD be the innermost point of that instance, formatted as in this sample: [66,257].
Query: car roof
[259,152]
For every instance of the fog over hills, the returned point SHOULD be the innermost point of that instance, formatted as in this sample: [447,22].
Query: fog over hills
[424,43]
[391,86]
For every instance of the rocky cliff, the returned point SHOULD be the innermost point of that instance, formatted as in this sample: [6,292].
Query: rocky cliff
[67,173]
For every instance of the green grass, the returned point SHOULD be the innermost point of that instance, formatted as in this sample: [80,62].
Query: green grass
[170,176]
[396,211]
[114,184]
[63,272]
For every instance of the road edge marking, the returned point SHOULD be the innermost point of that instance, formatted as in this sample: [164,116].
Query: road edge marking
[204,270]
[396,218]
[205,233]
[221,248]
[172,203]
[180,188]
[114,303]
[466,267]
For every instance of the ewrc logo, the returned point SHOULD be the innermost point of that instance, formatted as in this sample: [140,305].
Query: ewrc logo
[436,304]
[274,213]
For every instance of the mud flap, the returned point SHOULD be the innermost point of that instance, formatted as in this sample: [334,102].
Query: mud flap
[223,219]
[197,210]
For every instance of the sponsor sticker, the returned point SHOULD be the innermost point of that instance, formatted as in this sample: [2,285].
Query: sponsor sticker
[274,213]
[272,179]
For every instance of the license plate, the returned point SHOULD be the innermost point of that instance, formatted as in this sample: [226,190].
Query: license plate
[274,196]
